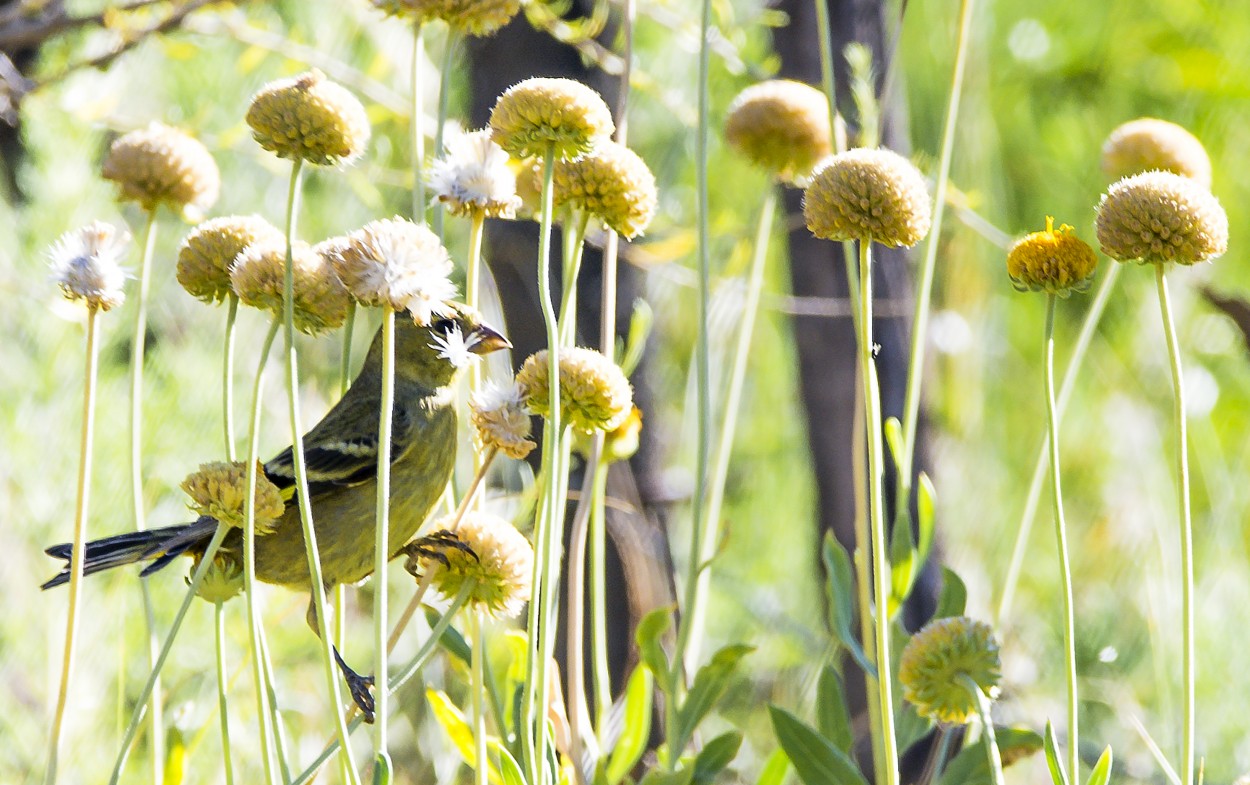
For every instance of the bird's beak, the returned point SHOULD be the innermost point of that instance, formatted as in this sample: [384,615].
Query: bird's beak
[488,340]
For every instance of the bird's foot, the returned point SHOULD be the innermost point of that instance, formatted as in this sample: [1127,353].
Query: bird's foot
[434,546]
[359,686]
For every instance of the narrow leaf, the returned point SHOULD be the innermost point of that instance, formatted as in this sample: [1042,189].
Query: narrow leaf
[1057,775]
[815,758]
[840,594]
[926,505]
[649,634]
[954,596]
[894,440]
[637,726]
[832,717]
[451,640]
[1102,769]
[715,756]
[457,728]
[709,685]
[509,770]
[775,769]
[903,562]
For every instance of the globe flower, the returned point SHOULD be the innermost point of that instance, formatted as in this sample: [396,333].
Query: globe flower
[258,278]
[206,253]
[161,165]
[1147,144]
[594,393]
[1157,217]
[309,118]
[399,264]
[611,183]
[619,444]
[498,558]
[500,419]
[84,264]
[1057,262]
[562,113]
[477,18]
[474,177]
[219,490]
[867,194]
[222,581]
[781,126]
[940,653]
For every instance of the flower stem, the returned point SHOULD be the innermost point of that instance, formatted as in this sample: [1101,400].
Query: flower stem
[382,550]
[481,766]
[317,580]
[1187,563]
[418,123]
[876,512]
[992,756]
[472,294]
[1092,317]
[275,714]
[444,95]
[223,710]
[227,376]
[1061,539]
[572,268]
[575,607]
[78,556]
[599,601]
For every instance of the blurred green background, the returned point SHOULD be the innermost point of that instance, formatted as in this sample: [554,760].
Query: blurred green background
[1046,82]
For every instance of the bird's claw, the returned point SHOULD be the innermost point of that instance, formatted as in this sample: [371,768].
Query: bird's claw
[434,546]
[359,686]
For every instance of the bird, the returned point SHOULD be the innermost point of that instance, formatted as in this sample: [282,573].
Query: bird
[341,457]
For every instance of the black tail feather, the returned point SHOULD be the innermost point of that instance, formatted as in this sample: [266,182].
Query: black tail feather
[164,545]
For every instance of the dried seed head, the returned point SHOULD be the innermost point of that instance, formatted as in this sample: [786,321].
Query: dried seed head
[222,581]
[258,277]
[85,264]
[162,165]
[942,651]
[611,183]
[309,118]
[474,177]
[1053,261]
[501,563]
[400,264]
[500,419]
[1161,217]
[472,17]
[219,490]
[866,194]
[594,393]
[206,253]
[541,111]
[1148,144]
[781,126]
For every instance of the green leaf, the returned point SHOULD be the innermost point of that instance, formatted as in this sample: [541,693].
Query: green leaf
[1057,775]
[715,756]
[457,729]
[682,776]
[832,717]
[175,757]
[649,634]
[709,685]
[382,769]
[451,640]
[903,561]
[637,727]
[509,770]
[840,593]
[909,727]
[926,505]
[954,596]
[815,758]
[640,323]
[1015,743]
[775,769]
[894,440]
[1102,769]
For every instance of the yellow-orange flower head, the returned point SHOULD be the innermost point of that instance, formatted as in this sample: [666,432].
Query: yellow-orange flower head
[219,490]
[1157,217]
[1147,144]
[500,561]
[472,17]
[781,126]
[562,113]
[309,118]
[594,393]
[611,183]
[258,278]
[867,194]
[162,165]
[1054,261]
[942,651]
[206,253]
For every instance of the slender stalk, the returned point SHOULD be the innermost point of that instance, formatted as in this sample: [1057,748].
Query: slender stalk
[992,756]
[472,285]
[444,94]
[600,673]
[227,376]
[223,709]
[572,268]
[78,556]
[481,766]
[824,32]
[197,577]
[876,512]
[345,359]
[418,123]
[301,473]
[553,546]
[137,358]
[924,290]
[1092,317]
[382,552]
[575,607]
[1187,562]
[340,591]
[275,711]
[1061,539]
[249,557]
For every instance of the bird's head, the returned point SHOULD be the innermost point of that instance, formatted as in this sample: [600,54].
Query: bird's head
[433,353]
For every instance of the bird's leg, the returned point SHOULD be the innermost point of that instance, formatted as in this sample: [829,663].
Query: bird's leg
[434,546]
[359,686]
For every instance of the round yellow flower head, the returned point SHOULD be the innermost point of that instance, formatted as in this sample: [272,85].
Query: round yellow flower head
[594,393]
[477,18]
[611,183]
[538,112]
[162,165]
[397,263]
[933,659]
[1052,261]
[258,276]
[499,559]
[1157,217]
[309,118]
[619,444]
[781,126]
[867,194]
[219,490]
[206,253]
[500,420]
[85,264]
[222,581]
[1147,144]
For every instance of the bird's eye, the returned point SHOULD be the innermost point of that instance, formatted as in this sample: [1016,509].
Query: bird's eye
[443,326]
